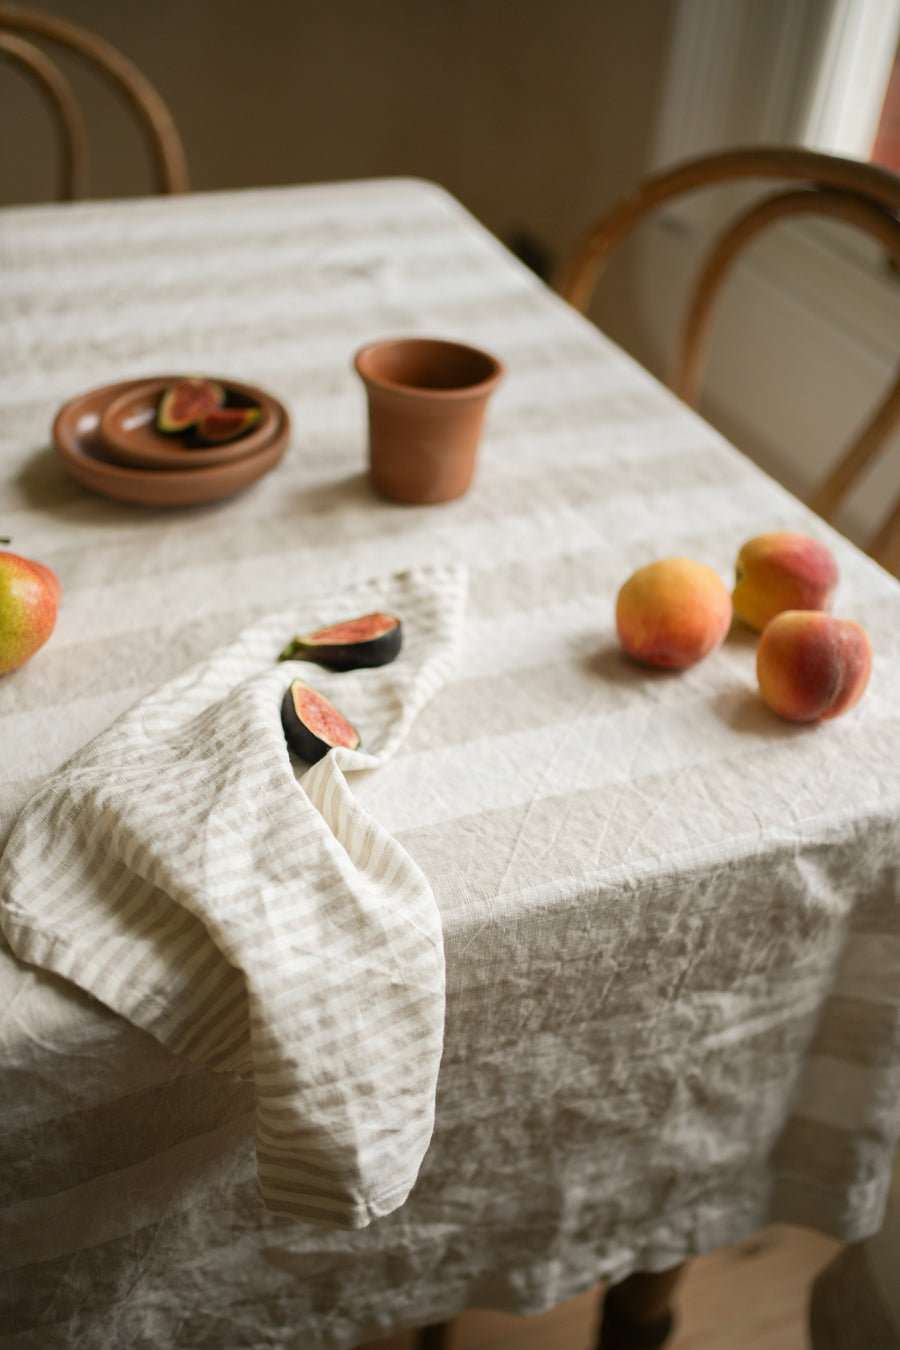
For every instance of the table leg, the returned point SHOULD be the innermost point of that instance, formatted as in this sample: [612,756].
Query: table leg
[637,1313]
[436,1337]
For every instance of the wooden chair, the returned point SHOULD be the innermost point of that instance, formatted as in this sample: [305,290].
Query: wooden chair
[146,104]
[860,194]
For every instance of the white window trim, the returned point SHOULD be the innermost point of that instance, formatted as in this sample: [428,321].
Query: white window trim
[807,72]
[847,93]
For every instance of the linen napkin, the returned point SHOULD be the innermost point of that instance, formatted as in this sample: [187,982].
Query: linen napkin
[191,874]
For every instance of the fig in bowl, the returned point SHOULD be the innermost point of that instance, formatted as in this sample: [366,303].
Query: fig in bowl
[184,402]
[243,421]
[226,424]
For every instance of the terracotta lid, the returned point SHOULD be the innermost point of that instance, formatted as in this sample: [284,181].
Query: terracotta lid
[128,428]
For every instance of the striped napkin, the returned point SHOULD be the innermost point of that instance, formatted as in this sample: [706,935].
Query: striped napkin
[186,870]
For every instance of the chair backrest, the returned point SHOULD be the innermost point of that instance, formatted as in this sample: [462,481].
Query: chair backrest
[156,122]
[857,193]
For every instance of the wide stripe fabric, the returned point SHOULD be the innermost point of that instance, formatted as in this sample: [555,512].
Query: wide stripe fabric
[670,923]
[244,909]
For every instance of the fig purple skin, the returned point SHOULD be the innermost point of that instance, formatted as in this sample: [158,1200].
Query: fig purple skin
[184,402]
[373,640]
[312,725]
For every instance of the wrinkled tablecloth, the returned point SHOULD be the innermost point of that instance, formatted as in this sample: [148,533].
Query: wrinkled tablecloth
[671,922]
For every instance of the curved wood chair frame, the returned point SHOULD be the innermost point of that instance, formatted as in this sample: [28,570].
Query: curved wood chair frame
[856,193]
[60,97]
[147,105]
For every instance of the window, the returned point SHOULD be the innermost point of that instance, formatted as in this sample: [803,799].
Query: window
[886,149]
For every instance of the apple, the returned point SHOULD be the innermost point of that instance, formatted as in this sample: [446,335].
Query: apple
[29,600]
[812,666]
[672,613]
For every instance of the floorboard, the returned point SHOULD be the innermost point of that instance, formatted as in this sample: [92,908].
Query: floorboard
[751,1296]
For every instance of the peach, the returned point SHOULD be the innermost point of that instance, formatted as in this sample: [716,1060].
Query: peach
[779,571]
[672,613]
[811,666]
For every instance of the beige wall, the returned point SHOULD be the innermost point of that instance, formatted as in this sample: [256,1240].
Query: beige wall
[535,113]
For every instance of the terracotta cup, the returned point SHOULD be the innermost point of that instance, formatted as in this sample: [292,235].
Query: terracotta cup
[426,400]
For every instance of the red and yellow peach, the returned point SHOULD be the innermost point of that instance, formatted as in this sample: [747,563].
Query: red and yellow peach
[782,570]
[672,613]
[811,666]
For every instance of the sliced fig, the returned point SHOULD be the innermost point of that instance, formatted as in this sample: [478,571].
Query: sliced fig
[312,725]
[373,640]
[226,424]
[183,403]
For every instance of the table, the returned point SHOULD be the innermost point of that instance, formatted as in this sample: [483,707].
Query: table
[671,922]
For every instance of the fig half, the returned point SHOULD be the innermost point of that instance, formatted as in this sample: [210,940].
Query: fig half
[312,725]
[373,640]
[183,403]
[226,424]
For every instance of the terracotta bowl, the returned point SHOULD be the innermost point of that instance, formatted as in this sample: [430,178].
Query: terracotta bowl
[128,428]
[76,437]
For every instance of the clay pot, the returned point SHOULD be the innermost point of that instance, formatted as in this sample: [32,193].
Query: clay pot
[426,400]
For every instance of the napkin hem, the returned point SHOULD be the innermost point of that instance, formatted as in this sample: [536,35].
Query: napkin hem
[358,1215]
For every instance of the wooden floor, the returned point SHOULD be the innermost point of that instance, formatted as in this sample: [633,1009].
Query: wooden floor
[751,1296]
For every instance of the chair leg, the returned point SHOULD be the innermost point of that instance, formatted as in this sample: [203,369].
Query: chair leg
[637,1313]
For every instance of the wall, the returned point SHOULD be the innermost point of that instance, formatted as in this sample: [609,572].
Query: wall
[534,114]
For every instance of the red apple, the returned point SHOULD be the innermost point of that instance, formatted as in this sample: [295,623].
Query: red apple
[29,599]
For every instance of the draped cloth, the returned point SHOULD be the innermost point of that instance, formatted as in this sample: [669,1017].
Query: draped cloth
[245,910]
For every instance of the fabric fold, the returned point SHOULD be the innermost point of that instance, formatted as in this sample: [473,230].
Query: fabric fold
[189,872]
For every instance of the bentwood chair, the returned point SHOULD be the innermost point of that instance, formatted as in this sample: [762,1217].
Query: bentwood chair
[857,193]
[135,90]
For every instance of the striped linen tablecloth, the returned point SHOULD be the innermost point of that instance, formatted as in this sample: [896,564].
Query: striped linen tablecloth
[670,924]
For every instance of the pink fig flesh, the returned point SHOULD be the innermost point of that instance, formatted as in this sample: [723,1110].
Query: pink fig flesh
[226,424]
[184,402]
[312,725]
[373,640]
